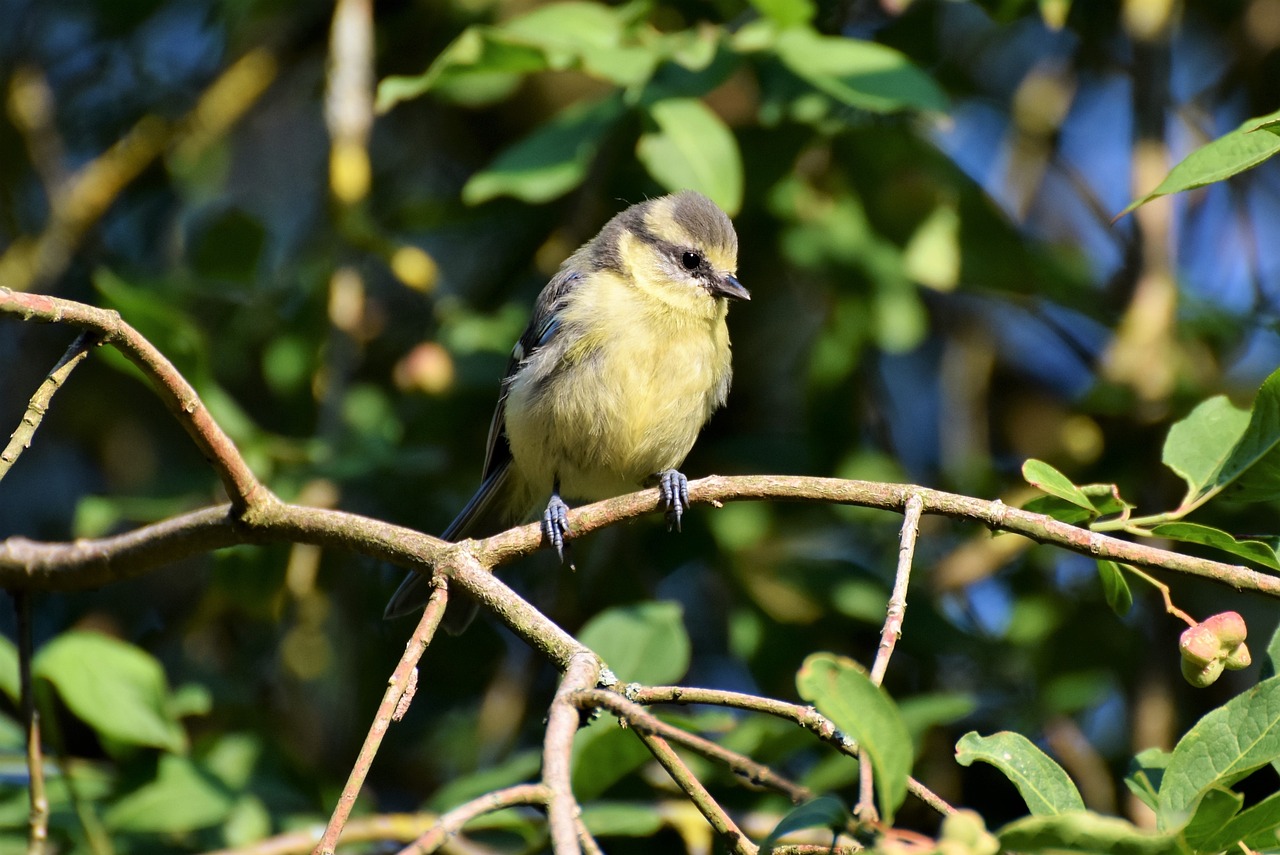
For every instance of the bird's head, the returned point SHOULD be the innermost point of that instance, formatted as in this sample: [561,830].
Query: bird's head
[682,248]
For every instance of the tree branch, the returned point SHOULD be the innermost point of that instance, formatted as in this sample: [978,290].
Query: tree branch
[243,488]
[39,405]
[642,721]
[737,842]
[400,689]
[582,672]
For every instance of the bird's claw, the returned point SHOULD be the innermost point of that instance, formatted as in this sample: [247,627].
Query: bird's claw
[673,488]
[555,525]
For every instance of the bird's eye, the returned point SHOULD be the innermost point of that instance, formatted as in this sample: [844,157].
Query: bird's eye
[691,260]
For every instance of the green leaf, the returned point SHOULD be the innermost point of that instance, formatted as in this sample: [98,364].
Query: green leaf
[787,13]
[822,812]
[1255,827]
[591,36]
[117,689]
[1230,154]
[479,59]
[521,766]
[1115,587]
[693,149]
[181,798]
[9,678]
[921,712]
[1199,444]
[843,693]
[1253,550]
[1060,509]
[1145,773]
[1082,832]
[1045,788]
[549,162]
[1216,809]
[621,819]
[604,754]
[1042,476]
[1271,664]
[1226,745]
[861,74]
[645,643]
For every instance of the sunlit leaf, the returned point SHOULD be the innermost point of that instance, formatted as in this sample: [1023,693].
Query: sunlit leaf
[843,693]
[1230,154]
[116,688]
[1115,587]
[822,812]
[181,798]
[621,819]
[786,13]
[861,74]
[1082,832]
[1045,788]
[644,643]
[692,149]
[9,669]
[1253,550]
[549,162]
[1226,745]
[1199,444]
[1043,476]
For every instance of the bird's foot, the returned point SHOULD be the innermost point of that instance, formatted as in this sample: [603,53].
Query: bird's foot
[555,525]
[674,490]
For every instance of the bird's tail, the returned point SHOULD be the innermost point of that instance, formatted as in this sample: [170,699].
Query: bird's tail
[487,513]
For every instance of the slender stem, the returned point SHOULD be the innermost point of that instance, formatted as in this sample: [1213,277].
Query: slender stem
[697,793]
[39,405]
[452,822]
[805,716]
[897,609]
[1169,607]
[399,692]
[38,820]
[642,721]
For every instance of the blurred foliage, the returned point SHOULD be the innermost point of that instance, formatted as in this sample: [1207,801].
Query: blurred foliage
[924,193]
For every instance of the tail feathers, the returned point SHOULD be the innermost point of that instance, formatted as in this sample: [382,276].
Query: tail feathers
[487,513]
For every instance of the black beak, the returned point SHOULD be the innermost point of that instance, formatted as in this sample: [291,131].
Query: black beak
[729,286]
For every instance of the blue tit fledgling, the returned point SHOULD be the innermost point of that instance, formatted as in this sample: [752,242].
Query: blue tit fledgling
[624,360]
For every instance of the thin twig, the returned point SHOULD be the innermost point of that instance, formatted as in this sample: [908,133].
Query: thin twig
[585,839]
[582,672]
[897,609]
[728,830]
[805,716]
[39,404]
[452,822]
[642,721]
[38,820]
[243,488]
[889,635]
[402,682]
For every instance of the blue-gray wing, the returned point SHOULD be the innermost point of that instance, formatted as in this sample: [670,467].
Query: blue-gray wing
[542,330]
[488,511]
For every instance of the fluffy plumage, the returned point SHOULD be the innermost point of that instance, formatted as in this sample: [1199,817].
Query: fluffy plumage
[624,360]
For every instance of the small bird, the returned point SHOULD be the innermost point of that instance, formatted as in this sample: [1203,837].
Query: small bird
[624,360]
